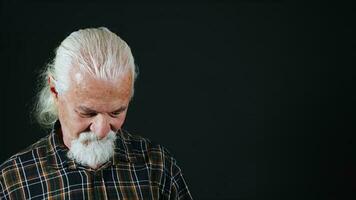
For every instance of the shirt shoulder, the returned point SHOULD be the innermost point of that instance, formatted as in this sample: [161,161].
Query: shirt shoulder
[143,148]
[163,166]
[31,154]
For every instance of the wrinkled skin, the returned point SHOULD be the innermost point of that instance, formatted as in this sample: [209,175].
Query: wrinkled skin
[93,105]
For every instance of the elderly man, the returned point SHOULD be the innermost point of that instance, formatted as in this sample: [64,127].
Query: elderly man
[84,98]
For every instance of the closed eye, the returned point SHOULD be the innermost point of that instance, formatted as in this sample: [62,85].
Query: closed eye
[117,112]
[88,115]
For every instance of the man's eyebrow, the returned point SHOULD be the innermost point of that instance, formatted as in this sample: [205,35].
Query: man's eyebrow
[88,110]
[122,108]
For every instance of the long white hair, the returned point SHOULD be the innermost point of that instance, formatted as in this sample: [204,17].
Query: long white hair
[96,51]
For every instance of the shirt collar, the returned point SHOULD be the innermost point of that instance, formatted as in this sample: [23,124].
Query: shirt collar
[57,151]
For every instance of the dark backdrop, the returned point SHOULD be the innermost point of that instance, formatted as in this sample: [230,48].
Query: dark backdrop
[253,98]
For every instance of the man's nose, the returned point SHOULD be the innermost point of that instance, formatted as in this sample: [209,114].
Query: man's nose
[100,126]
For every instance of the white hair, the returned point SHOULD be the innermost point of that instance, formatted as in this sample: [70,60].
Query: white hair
[88,150]
[95,51]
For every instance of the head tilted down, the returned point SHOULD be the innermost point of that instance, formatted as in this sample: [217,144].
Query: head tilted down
[88,88]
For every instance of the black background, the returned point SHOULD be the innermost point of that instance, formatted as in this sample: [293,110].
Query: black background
[253,98]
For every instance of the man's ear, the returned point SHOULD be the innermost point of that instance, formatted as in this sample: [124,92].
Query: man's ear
[52,87]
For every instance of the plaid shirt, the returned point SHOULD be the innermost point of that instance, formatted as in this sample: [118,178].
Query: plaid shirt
[138,170]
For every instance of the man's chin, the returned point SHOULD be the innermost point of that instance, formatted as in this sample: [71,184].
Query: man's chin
[88,151]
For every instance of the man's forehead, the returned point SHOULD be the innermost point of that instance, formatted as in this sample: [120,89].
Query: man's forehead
[78,77]
[85,87]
